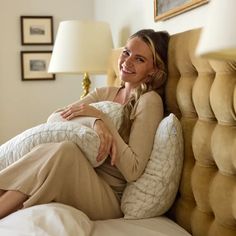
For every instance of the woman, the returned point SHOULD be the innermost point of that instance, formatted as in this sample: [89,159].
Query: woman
[59,171]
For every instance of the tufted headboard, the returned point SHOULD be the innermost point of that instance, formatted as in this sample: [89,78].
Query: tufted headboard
[202,94]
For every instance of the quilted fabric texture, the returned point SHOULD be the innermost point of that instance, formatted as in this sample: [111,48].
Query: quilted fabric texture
[112,109]
[154,192]
[86,138]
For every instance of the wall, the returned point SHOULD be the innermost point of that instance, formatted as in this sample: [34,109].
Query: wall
[128,16]
[25,104]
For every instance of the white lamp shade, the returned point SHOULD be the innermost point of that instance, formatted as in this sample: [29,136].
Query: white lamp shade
[81,46]
[218,38]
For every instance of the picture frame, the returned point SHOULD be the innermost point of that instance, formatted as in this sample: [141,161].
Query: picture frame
[165,9]
[36,30]
[34,65]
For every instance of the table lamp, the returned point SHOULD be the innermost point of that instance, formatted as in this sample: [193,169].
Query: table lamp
[218,37]
[81,47]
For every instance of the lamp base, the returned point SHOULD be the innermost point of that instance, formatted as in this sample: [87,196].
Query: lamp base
[86,85]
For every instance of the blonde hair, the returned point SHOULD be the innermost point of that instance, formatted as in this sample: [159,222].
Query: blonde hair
[158,44]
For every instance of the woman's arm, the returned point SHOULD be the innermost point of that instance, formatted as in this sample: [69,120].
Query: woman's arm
[69,112]
[90,98]
[90,116]
[133,157]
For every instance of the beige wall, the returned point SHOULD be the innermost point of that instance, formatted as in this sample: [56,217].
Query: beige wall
[25,104]
[128,16]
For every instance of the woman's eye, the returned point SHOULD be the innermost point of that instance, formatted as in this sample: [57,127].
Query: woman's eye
[139,59]
[125,53]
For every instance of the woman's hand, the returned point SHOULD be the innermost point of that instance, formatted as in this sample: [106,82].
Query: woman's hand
[107,143]
[74,110]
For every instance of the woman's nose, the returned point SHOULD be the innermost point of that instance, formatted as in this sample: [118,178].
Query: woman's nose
[128,61]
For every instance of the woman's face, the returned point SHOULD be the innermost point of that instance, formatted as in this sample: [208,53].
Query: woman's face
[136,62]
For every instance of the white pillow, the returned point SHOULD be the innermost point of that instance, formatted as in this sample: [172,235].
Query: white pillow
[52,219]
[154,192]
[86,138]
[113,109]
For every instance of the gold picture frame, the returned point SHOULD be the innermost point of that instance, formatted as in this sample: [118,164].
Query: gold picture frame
[34,65]
[165,9]
[36,30]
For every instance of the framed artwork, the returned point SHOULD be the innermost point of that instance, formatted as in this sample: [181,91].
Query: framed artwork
[34,65]
[36,30]
[165,9]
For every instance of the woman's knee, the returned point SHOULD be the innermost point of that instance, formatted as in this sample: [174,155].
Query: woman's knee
[67,149]
[65,152]
[67,145]
[55,151]
[72,152]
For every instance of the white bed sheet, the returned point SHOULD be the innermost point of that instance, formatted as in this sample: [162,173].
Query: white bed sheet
[158,226]
[56,219]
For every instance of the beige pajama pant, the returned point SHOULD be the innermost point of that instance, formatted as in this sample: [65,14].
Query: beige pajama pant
[59,172]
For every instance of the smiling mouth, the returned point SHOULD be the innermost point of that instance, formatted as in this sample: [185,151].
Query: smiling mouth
[125,70]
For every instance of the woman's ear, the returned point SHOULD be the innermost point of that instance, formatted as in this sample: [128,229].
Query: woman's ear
[152,74]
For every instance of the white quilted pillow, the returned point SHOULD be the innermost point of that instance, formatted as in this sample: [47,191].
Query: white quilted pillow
[154,192]
[86,138]
[113,109]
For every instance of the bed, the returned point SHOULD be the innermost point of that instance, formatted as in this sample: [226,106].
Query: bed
[202,95]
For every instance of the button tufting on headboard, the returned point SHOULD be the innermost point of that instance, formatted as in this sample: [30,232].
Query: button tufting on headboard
[202,93]
[205,96]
